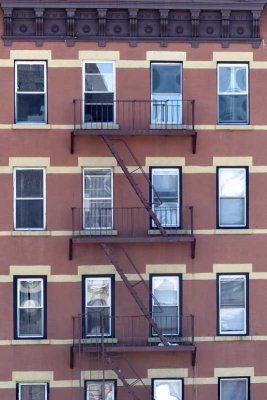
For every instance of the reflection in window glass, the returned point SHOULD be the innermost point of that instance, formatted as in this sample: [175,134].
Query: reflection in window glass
[234,388]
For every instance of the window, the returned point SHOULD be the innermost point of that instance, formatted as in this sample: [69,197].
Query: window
[166,303]
[97,199]
[29,198]
[32,391]
[166,196]
[232,186]
[234,388]
[168,389]
[99,92]
[94,390]
[30,88]
[30,305]
[233,102]
[166,93]
[233,304]
[98,306]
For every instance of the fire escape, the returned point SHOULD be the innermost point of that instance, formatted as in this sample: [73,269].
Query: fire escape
[130,225]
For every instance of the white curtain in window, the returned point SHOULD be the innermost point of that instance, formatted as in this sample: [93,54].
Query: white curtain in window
[167,390]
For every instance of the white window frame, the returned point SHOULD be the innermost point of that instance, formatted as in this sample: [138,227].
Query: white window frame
[244,309]
[156,303]
[85,92]
[244,93]
[166,95]
[166,382]
[109,306]
[42,307]
[244,197]
[44,63]
[99,383]
[20,384]
[166,172]
[221,380]
[99,199]
[29,198]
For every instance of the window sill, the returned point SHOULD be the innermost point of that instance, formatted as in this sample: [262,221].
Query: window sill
[226,231]
[223,338]
[98,340]
[108,232]
[173,231]
[31,126]
[99,125]
[31,233]
[167,126]
[233,127]
[30,341]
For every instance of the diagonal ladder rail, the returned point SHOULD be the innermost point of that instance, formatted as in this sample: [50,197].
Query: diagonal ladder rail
[120,375]
[110,254]
[134,185]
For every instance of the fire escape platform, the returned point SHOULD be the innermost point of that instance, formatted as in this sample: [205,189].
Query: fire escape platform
[132,239]
[120,348]
[136,132]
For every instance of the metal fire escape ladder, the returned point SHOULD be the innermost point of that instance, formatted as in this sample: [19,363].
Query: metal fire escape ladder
[134,184]
[120,375]
[110,254]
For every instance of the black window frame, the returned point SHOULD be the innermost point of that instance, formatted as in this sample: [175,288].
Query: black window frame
[233,63]
[246,203]
[180,306]
[37,123]
[234,378]
[246,276]
[16,278]
[112,305]
[179,168]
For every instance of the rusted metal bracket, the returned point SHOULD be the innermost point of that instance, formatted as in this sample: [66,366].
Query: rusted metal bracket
[194,356]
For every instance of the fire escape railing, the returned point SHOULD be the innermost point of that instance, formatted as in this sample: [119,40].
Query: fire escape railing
[131,221]
[134,117]
[132,331]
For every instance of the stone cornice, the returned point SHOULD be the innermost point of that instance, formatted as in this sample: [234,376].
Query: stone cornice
[133,20]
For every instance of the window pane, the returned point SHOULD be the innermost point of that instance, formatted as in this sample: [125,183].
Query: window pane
[233,109]
[32,392]
[98,292]
[232,319]
[94,390]
[232,182]
[30,321]
[98,68]
[97,184]
[30,78]
[165,389]
[98,321]
[167,318]
[232,212]
[165,186]
[99,83]
[30,294]
[29,183]
[166,78]
[30,108]
[165,290]
[233,79]
[234,389]
[232,291]
[29,214]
